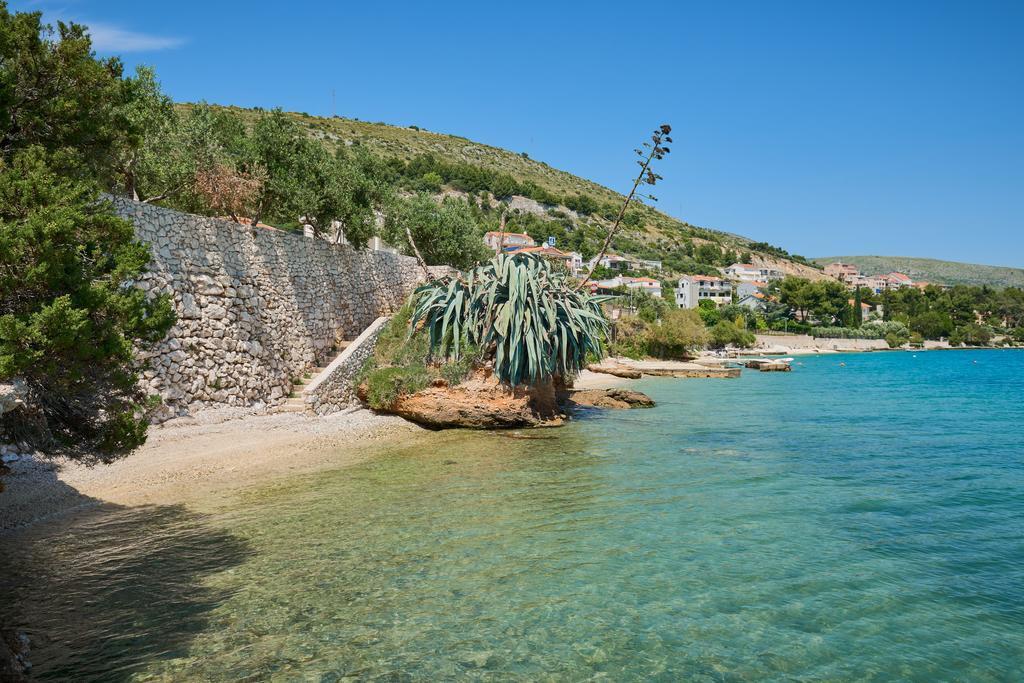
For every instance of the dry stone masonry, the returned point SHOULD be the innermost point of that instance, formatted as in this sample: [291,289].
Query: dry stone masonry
[336,387]
[257,307]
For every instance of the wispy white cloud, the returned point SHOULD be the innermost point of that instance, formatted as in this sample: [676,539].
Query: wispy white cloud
[111,38]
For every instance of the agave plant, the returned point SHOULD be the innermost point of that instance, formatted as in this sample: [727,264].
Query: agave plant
[519,311]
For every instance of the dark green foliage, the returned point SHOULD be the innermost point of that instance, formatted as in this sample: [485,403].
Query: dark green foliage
[629,338]
[875,329]
[932,324]
[766,248]
[894,340]
[678,334]
[445,233]
[725,333]
[742,316]
[708,312]
[385,385]
[54,94]
[937,312]
[826,301]
[971,334]
[68,314]
[582,204]
[646,306]
[402,363]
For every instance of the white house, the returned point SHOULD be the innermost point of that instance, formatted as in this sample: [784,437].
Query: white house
[692,289]
[576,265]
[754,301]
[880,283]
[644,284]
[747,272]
[748,288]
[612,262]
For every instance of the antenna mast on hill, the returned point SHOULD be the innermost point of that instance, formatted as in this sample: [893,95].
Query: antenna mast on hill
[334,111]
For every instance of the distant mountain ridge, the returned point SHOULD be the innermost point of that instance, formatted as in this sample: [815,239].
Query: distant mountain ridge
[934,270]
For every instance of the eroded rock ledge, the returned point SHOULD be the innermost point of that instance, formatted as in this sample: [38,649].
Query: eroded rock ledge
[482,402]
[616,397]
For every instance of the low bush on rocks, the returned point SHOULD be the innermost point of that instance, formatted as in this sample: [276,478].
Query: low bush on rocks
[403,365]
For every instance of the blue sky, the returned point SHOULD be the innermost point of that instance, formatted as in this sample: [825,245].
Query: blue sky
[824,127]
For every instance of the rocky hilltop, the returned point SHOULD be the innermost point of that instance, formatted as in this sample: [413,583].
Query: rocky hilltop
[564,201]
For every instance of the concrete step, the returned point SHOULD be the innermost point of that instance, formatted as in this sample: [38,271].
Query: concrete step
[289,408]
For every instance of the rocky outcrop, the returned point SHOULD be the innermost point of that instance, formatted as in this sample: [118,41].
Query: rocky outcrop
[615,369]
[616,398]
[483,403]
[480,402]
[11,396]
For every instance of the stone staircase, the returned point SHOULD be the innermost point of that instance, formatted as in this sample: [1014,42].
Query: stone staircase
[296,401]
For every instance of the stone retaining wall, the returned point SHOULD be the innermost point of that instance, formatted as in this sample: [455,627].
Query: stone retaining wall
[257,307]
[335,388]
[804,341]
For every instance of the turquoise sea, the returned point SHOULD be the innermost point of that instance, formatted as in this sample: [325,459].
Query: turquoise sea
[861,522]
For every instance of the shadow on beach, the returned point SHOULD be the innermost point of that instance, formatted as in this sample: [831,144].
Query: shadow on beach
[105,590]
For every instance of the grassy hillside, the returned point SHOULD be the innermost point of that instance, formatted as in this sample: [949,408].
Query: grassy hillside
[933,270]
[651,234]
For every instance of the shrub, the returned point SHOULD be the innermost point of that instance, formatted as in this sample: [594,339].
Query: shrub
[932,324]
[894,340]
[708,312]
[678,334]
[431,182]
[725,333]
[631,338]
[455,372]
[582,204]
[446,233]
[385,385]
[972,334]
[69,315]
[401,363]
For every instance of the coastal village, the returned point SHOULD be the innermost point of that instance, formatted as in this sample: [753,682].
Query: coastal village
[745,284]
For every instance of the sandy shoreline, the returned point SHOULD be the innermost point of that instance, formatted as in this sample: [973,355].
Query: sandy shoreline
[210,455]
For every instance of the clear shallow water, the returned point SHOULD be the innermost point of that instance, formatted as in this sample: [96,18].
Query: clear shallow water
[835,523]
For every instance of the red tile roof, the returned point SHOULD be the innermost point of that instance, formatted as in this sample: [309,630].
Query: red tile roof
[508,234]
[545,250]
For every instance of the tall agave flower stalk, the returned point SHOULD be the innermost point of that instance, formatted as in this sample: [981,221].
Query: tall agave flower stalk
[518,311]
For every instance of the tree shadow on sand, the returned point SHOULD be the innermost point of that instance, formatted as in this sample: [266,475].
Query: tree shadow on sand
[112,588]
